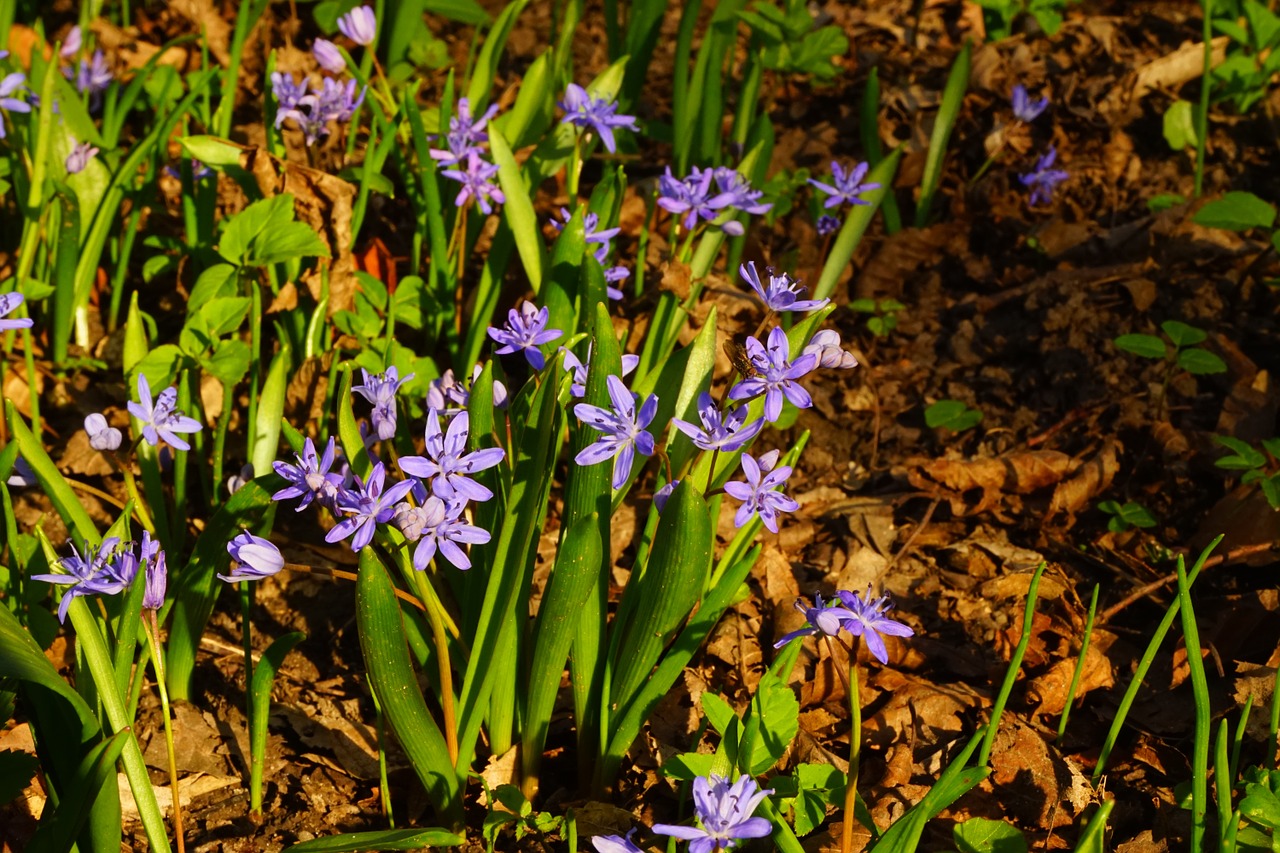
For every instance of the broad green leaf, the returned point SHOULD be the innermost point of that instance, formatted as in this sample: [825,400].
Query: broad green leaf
[287,242]
[1179,125]
[951,414]
[1147,346]
[719,712]
[980,835]
[778,711]
[212,151]
[1246,455]
[96,770]
[1200,362]
[240,232]
[1236,211]
[380,839]
[22,659]
[1181,334]
[266,432]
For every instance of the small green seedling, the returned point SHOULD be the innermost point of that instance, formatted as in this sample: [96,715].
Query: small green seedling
[952,415]
[1127,515]
[1252,59]
[1000,15]
[884,314]
[1186,355]
[791,43]
[1259,466]
[982,835]
[507,805]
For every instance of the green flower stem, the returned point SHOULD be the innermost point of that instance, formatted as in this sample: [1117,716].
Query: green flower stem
[575,168]
[139,505]
[246,603]
[855,752]
[157,663]
[434,612]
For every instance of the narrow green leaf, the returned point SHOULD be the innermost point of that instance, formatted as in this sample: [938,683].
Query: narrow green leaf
[264,676]
[944,123]
[518,209]
[96,770]
[266,434]
[486,66]
[381,839]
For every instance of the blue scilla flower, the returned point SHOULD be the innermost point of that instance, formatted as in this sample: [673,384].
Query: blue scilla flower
[1043,178]
[369,505]
[868,620]
[776,375]
[161,419]
[380,390]
[719,432]
[8,303]
[600,114]
[623,429]
[1025,108]
[310,479]
[824,617]
[525,331]
[759,492]
[781,293]
[256,558]
[846,187]
[446,465]
[724,812]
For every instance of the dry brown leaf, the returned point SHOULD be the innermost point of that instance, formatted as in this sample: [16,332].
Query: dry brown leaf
[1091,479]
[904,253]
[675,279]
[1035,784]
[1049,691]
[1019,473]
[1167,73]
[81,459]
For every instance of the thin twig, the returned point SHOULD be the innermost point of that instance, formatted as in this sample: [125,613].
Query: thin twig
[1148,589]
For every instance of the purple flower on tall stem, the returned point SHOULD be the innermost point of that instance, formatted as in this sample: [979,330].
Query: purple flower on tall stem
[600,114]
[623,427]
[694,198]
[161,421]
[868,620]
[310,478]
[601,239]
[758,493]
[465,134]
[87,574]
[477,183]
[360,25]
[578,388]
[155,573]
[102,436]
[447,464]
[735,191]
[720,432]
[825,346]
[10,84]
[1043,178]
[288,94]
[92,78]
[1025,108]
[328,56]
[525,331]
[725,813]
[661,495]
[777,375]
[9,302]
[256,558]
[380,390]
[437,525]
[822,618]
[848,186]
[369,506]
[782,291]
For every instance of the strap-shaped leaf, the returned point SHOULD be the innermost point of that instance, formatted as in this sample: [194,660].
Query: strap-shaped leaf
[382,839]
[97,769]
[944,123]
[562,280]
[264,676]
[518,209]
[51,481]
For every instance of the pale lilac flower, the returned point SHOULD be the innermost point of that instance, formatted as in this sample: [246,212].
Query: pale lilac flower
[155,573]
[449,396]
[92,78]
[369,506]
[312,111]
[601,240]
[825,345]
[777,376]
[724,812]
[360,25]
[525,331]
[623,428]
[600,114]
[71,44]
[22,475]
[465,134]
[735,191]
[288,94]
[328,56]
[256,558]
[8,302]
[477,183]
[380,390]
[578,388]
[1025,109]
[161,421]
[88,573]
[240,479]
[612,276]
[822,618]
[310,478]
[660,496]
[79,158]
[9,85]
[1043,178]
[102,436]
[438,526]
[758,493]
[848,186]
[728,433]
[694,197]
[827,225]
[615,844]
[781,292]
[447,465]
[869,621]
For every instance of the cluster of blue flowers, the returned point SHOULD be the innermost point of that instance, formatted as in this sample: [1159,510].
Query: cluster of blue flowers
[860,615]
[464,154]
[111,569]
[709,194]
[314,107]
[601,239]
[1044,176]
[725,814]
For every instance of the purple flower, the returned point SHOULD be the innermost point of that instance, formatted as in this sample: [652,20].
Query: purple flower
[380,390]
[10,84]
[161,421]
[310,478]
[447,464]
[869,621]
[88,574]
[1024,108]
[827,225]
[758,492]
[822,618]
[439,526]
[525,331]
[660,496]
[79,157]
[328,56]
[781,292]
[288,94]
[256,558]
[601,239]
[848,185]
[600,114]
[92,78]
[8,302]
[199,171]
[102,436]
[369,506]
[360,25]
[476,183]
[22,475]
[578,388]
[615,844]
[694,198]
[623,428]
[776,377]
[727,433]
[449,396]
[735,191]
[71,44]
[825,346]
[1043,178]
[725,814]
[156,573]
[240,479]
[465,134]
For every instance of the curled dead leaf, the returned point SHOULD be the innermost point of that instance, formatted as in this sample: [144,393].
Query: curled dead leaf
[1019,473]
[1089,480]
[1048,692]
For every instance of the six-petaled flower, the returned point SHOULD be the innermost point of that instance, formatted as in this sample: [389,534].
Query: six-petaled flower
[868,620]
[438,525]
[526,330]
[161,420]
[369,505]
[720,432]
[724,812]
[600,114]
[782,291]
[759,492]
[1025,108]
[360,25]
[822,618]
[845,187]
[310,478]
[447,465]
[466,132]
[90,573]
[477,183]
[623,429]
[776,377]
[8,303]
[1043,178]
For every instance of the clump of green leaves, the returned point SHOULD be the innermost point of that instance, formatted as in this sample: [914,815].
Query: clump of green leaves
[1178,349]
[1259,466]
[1260,809]
[952,415]
[791,43]
[1252,59]
[1000,15]
[509,807]
[1127,515]
[883,313]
